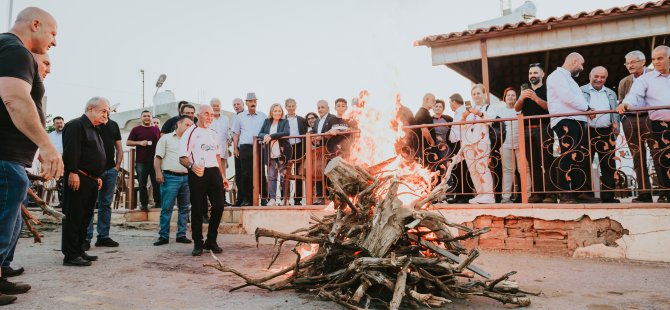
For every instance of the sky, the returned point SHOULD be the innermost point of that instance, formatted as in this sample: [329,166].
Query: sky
[307,50]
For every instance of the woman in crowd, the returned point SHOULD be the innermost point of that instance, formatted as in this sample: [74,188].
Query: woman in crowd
[511,158]
[476,146]
[276,151]
[439,153]
[311,119]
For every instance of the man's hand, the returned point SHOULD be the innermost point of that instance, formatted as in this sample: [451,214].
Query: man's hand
[530,94]
[73,181]
[99,183]
[237,152]
[198,170]
[591,116]
[225,182]
[52,162]
[144,143]
[159,177]
[623,107]
[332,132]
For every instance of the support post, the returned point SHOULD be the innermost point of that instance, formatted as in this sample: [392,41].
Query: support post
[256,172]
[523,167]
[309,158]
[132,196]
[485,69]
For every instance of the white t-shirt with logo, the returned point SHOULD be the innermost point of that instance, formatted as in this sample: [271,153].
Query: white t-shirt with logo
[200,145]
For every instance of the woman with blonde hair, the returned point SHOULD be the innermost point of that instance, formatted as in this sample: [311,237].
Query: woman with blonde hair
[276,151]
[511,158]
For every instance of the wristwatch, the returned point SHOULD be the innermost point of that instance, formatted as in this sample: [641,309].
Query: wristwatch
[189,166]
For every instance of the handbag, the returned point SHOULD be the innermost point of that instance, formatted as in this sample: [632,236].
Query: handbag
[497,133]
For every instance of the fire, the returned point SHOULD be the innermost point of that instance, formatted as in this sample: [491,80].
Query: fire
[306,250]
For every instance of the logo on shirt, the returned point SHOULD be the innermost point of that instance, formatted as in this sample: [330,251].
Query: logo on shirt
[207,147]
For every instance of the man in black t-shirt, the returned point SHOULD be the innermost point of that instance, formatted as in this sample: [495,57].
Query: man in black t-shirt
[171,123]
[539,140]
[111,141]
[22,124]
[425,137]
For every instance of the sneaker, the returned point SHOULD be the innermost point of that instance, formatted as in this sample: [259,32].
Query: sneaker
[271,203]
[6,299]
[86,245]
[486,199]
[280,202]
[161,241]
[183,240]
[12,288]
[662,199]
[108,242]
[474,200]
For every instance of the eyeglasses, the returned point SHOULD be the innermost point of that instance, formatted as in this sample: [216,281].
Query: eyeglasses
[537,64]
[630,63]
[311,118]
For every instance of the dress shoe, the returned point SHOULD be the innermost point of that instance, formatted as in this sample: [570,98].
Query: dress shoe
[161,241]
[586,198]
[662,199]
[550,198]
[246,203]
[237,203]
[610,200]
[76,262]
[197,251]
[13,288]
[643,198]
[90,258]
[86,245]
[205,218]
[535,199]
[144,208]
[264,202]
[6,299]
[9,272]
[183,240]
[317,202]
[567,198]
[108,242]
[297,202]
[213,247]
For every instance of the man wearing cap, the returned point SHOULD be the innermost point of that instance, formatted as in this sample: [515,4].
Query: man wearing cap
[247,125]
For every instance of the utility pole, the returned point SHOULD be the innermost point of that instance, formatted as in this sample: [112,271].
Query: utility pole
[9,19]
[142,71]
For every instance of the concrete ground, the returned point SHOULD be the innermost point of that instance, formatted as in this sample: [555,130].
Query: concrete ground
[139,275]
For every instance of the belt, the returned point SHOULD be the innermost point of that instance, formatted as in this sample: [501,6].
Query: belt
[179,174]
[245,145]
[87,175]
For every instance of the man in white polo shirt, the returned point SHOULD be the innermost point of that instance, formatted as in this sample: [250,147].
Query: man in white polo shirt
[199,153]
[173,178]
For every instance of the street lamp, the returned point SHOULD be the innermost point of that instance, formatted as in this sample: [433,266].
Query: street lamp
[159,84]
[142,71]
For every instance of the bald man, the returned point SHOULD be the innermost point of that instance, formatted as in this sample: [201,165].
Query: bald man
[565,96]
[603,131]
[199,152]
[22,124]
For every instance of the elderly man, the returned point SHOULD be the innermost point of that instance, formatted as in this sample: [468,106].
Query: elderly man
[199,153]
[84,157]
[653,90]
[636,126]
[565,96]
[238,107]
[297,126]
[247,125]
[22,125]
[603,130]
[221,125]
[173,178]
[325,124]
[539,136]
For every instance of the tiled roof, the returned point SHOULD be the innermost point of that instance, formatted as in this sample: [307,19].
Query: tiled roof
[537,23]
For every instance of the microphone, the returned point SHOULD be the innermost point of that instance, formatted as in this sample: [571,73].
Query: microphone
[161,80]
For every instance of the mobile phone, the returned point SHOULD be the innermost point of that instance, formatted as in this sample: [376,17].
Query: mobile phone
[525,86]
[468,105]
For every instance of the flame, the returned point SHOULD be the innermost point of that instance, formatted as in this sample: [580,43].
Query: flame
[306,250]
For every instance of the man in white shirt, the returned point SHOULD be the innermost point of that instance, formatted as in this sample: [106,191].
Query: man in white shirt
[173,178]
[297,126]
[460,173]
[56,136]
[603,131]
[199,153]
[653,90]
[565,96]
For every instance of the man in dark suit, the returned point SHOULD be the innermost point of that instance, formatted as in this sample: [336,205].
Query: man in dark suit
[323,126]
[297,127]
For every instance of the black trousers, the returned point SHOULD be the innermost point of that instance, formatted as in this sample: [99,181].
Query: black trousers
[539,143]
[238,183]
[78,209]
[298,152]
[573,164]
[603,143]
[244,185]
[660,152]
[209,185]
[637,132]
[144,171]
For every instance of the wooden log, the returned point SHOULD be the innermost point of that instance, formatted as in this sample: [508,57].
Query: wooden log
[262,232]
[428,299]
[399,290]
[348,177]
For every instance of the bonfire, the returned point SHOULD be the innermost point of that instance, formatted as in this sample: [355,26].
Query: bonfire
[383,245]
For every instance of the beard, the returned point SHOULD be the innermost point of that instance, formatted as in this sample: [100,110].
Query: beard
[534,80]
[576,73]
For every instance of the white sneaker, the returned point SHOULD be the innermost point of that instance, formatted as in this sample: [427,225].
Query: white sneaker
[475,200]
[280,202]
[272,203]
[486,198]
[506,200]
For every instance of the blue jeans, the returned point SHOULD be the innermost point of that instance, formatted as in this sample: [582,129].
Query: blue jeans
[13,188]
[275,169]
[174,187]
[104,205]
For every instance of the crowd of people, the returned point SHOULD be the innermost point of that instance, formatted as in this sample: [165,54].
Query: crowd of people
[185,160]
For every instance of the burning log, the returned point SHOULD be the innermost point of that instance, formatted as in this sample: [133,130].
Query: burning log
[381,249]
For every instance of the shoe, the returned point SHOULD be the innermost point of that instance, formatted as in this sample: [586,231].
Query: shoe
[567,198]
[182,240]
[6,299]
[90,258]
[506,200]
[297,202]
[586,198]
[238,203]
[13,288]
[271,203]
[535,199]
[551,198]
[77,262]
[662,199]
[197,251]
[108,242]
[86,245]
[144,208]
[643,198]
[246,203]
[264,202]
[610,200]
[205,218]
[485,199]
[213,247]
[161,241]
[9,272]
[317,202]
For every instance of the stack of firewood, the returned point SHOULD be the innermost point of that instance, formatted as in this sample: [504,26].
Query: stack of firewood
[375,251]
